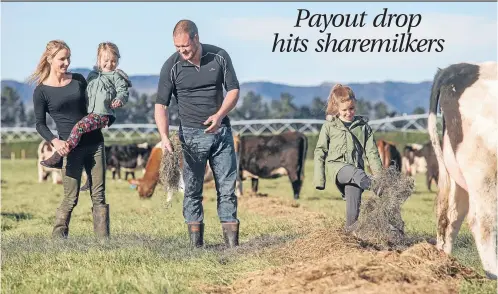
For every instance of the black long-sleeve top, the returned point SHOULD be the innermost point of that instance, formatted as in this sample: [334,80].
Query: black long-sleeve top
[66,105]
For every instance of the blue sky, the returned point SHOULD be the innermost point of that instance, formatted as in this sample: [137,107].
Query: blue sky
[246,31]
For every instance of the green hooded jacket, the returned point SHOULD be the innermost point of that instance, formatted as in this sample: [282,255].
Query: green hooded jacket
[336,148]
[103,88]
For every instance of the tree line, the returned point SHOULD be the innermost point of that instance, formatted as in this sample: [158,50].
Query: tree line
[140,109]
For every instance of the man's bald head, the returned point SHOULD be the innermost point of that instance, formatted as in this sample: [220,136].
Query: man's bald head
[185,26]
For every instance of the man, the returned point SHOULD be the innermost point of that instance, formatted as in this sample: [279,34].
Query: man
[196,75]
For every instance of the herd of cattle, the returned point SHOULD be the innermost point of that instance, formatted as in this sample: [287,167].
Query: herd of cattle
[464,168]
[264,156]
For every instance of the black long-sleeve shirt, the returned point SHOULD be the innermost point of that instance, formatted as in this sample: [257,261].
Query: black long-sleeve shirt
[66,105]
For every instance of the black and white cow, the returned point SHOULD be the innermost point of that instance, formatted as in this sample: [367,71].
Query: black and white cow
[45,150]
[468,97]
[421,159]
[129,158]
[273,156]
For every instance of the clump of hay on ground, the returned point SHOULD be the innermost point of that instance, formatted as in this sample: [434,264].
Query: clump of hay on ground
[380,222]
[321,263]
[327,260]
[169,171]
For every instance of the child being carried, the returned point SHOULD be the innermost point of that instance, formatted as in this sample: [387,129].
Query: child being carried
[107,90]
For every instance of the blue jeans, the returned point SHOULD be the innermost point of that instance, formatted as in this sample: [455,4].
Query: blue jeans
[218,148]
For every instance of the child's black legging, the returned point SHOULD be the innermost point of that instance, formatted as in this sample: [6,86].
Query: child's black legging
[354,181]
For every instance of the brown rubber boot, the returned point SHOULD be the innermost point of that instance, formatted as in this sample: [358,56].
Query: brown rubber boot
[61,227]
[196,234]
[55,161]
[231,234]
[101,220]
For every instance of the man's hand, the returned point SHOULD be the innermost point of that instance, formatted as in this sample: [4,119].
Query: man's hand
[116,103]
[215,121]
[166,145]
[161,118]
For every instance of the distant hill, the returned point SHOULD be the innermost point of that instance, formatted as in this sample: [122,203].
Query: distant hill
[399,96]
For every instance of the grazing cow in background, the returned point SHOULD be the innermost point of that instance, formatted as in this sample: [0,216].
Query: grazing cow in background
[389,155]
[45,150]
[412,161]
[147,184]
[112,162]
[432,172]
[129,157]
[421,159]
[468,97]
[272,156]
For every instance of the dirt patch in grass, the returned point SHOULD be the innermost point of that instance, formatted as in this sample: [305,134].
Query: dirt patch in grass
[279,209]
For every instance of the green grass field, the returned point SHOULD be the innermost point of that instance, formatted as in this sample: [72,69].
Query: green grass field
[148,251]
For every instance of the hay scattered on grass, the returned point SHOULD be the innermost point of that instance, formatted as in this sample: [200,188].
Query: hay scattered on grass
[325,262]
[169,172]
[380,222]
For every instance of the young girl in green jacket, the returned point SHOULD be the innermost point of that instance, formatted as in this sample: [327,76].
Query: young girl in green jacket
[107,89]
[345,141]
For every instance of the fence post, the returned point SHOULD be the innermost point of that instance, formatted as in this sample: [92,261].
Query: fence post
[12,155]
[23,154]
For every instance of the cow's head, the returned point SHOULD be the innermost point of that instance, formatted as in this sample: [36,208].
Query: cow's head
[144,188]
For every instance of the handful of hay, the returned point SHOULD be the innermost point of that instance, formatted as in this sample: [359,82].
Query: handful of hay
[380,222]
[169,171]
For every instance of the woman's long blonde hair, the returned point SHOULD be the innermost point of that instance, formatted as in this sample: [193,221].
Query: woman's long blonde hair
[43,68]
[339,94]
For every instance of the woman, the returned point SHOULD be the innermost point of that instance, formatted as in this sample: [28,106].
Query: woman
[62,95]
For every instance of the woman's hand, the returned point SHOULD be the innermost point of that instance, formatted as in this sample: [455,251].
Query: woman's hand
[60,146]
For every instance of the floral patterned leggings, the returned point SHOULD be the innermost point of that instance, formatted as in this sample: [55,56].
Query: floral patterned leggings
[87,124]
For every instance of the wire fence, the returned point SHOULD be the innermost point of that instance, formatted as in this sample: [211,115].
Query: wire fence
[125,132]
